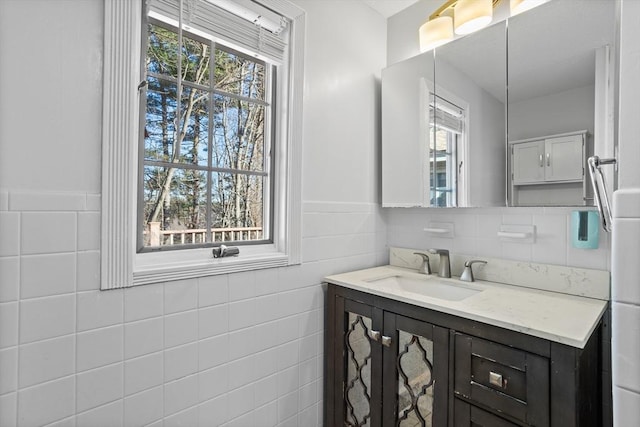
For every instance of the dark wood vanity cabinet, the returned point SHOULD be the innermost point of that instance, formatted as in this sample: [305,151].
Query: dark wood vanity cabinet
[389,363]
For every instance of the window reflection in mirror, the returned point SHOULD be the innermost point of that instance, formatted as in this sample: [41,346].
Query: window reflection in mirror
[446,128]
[470,83]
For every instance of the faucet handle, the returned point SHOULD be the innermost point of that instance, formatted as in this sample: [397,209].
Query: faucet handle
[474,261]
[425,268]
[467,273]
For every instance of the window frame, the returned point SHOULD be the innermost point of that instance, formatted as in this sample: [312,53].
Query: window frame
[121,265]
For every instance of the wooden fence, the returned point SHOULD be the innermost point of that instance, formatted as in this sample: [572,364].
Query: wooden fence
[154,236]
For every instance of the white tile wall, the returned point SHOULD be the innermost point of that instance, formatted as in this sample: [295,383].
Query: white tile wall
[144,408]
[55,401]
[8,370]
[8,324]
[143,373]
[98,309]
[143,337]
[49,317]
[9,278]
[46,360]
[48,232]
[552,244]
[180,361]
[99,386]
[625,319]
[221,350]
[99,347]
[10,232]
[214,411]
[56,271]
[106,415]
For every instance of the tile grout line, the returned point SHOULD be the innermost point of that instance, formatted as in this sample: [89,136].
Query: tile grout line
[19,326]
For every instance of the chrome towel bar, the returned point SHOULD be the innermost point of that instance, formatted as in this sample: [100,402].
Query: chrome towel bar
[600,189]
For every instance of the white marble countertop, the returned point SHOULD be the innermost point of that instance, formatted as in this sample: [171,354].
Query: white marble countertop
[567,319]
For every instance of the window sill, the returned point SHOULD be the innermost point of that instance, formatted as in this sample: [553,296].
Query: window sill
[158,267]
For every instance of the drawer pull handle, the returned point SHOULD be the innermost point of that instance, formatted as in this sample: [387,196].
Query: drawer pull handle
[375,335]
[496,380]
[386,341]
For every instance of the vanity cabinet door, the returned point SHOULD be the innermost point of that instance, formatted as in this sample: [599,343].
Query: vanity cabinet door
[355,365]
[384,369]
[415,373]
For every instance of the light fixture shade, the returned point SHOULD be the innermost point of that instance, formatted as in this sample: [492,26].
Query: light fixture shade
[471,15]
[435,32]
[519,6]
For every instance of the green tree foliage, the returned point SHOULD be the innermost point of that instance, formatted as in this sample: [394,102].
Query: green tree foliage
[216,152]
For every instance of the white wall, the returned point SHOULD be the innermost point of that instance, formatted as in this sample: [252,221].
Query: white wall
[241,349]
[566,111]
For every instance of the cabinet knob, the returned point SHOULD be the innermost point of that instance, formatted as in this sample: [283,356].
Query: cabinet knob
[375,335]
[548,159]
[386,341]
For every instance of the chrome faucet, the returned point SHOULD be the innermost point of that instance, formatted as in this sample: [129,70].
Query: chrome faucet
[425,268]
[444,269]
[467,273]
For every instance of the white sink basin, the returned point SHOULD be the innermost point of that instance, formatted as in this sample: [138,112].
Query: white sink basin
[427,286]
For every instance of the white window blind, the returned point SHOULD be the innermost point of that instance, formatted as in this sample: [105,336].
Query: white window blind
[447,116]
[244,24]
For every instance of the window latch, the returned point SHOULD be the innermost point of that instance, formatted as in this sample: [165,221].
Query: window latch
[224,251]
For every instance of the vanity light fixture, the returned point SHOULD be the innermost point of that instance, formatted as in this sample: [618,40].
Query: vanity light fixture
[471,15]
[519,6]
[466,16]
[436,32]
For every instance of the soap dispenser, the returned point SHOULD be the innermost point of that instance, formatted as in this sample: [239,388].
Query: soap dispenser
[584,229]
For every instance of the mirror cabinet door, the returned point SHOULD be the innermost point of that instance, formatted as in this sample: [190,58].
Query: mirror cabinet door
[560,59]
[406,88]
[444,126]
[470,92]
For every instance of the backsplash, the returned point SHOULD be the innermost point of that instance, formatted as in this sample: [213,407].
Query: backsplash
[555,278]
[476,234]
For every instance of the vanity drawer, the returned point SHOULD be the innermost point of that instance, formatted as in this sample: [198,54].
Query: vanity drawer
[467,415]
[510,381]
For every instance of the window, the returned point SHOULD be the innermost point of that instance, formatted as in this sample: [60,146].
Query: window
[220,129]
[209,180]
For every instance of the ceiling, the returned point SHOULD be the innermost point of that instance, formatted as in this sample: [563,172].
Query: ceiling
[388,8]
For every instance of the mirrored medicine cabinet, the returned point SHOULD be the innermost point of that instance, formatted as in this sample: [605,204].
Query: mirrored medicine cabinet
[504,116]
